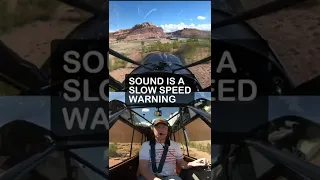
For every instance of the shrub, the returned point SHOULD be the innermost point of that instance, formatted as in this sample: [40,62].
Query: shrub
[112,150]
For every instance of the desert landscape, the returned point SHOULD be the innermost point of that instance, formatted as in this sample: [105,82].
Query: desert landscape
[142,39]
[119,152]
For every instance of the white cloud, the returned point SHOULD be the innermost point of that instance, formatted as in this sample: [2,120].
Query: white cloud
[145,110]
[201,18]
[111,31]
[175,27]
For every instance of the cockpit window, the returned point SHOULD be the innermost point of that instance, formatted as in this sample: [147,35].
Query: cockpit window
[302,114]
[180,32]
[120,137]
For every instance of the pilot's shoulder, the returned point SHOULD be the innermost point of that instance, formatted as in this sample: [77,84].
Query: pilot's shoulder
[175,143]
[147,143]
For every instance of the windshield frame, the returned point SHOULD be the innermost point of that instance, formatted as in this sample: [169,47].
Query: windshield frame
[31,163]
[183,108]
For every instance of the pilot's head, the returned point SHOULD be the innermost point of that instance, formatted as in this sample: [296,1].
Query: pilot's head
[160,128]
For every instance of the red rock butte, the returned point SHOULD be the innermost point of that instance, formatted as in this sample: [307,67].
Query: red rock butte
[147,30]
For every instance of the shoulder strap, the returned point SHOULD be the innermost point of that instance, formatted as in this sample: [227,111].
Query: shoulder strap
[153,154]
[153,158]
[167,142]
[163,158]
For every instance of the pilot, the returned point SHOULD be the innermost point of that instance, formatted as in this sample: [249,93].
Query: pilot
[153,171]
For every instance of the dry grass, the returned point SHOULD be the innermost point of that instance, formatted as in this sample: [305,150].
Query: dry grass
[197,149]
[190,50]
[119,152]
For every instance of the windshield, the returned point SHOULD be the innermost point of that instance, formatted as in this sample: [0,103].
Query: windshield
[145,116]
[36,110]
[292,33]
[148,113]
[179,28]
[303,106]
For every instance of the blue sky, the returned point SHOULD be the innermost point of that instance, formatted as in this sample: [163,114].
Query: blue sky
[170,15]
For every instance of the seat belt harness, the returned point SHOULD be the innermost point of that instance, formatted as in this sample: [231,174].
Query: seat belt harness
[153,158]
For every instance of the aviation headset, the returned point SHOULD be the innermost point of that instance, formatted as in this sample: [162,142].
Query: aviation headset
[168,134]
[152,151]
[169,129]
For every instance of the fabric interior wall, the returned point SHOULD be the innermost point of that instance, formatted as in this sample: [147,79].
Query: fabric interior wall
[180,139]
[137,137]
[179,136]
[198,130]
[120,132]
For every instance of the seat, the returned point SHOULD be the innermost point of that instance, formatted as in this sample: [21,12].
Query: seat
[178,170]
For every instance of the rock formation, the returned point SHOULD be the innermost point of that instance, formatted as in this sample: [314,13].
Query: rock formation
[148,30]
[189,33]
[140,31]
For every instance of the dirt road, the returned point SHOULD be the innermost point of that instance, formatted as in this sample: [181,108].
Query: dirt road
[33,40]
[202,73]
[294,34]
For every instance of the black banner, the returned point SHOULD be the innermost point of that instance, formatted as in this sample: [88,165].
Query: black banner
[80,69]
[159,89]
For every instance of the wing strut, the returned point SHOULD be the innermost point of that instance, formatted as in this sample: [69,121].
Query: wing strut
[206,116]
[114,117]
[120,56]
[115,84]
[141,116]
